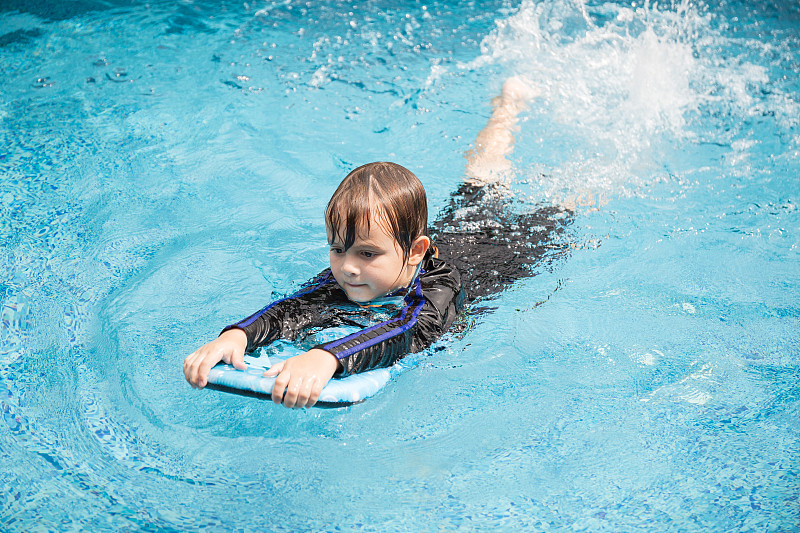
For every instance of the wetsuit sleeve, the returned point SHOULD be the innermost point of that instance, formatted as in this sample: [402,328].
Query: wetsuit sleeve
[429,310]
[287,317]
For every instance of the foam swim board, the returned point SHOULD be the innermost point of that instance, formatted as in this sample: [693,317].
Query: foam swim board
[337,393]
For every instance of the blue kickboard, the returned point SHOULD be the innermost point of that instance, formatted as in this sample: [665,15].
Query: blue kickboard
[337,393]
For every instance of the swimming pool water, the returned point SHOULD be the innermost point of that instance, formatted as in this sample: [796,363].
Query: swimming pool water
[164,170]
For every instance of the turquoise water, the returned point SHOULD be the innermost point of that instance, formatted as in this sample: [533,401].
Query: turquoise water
[164,170]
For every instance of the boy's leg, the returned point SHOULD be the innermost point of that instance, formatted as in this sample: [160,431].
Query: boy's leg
[478,232]
[487,161]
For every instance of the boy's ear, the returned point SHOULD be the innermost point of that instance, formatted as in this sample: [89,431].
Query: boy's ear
[418,249]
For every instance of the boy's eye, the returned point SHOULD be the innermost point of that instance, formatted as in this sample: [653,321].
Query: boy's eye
[336,250]
[368,254]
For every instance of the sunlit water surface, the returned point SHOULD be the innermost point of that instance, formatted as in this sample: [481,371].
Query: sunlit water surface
[164,170]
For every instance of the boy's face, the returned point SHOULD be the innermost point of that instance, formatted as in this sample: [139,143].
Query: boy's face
[372,267]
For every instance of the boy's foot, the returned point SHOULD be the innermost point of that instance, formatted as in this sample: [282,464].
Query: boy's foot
[519,90]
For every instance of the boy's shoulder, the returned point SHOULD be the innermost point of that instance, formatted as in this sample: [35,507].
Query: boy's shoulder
[438,273]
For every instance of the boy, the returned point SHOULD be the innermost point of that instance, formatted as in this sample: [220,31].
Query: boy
[381,255]
[379,250]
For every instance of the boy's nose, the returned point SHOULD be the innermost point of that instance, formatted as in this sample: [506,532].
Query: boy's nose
[350,268]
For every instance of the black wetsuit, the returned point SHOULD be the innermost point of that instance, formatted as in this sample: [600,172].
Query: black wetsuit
[492,246]
[477,236]
[430,305]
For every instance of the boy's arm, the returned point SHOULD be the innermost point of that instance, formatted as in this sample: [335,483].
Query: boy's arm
[228,347]
[285,318]
[429,311]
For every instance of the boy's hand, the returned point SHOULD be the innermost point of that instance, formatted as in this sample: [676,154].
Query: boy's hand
[228,347]
[301,378]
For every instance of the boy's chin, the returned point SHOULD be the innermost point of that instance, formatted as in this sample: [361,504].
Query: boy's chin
[359,295]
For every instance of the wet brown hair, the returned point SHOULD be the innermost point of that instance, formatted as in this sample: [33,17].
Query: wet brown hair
[389,191]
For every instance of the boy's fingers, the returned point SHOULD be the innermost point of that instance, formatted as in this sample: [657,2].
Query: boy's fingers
[316,390]
[274,370]
[280,386]
[190,368]
[292,392]
[187,363]
[203,368]
[237,360]
[197,371]
[302,396]
[186,367]
[307,398]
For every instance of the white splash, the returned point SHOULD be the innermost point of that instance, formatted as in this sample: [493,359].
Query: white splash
[621,82]
[632,71]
